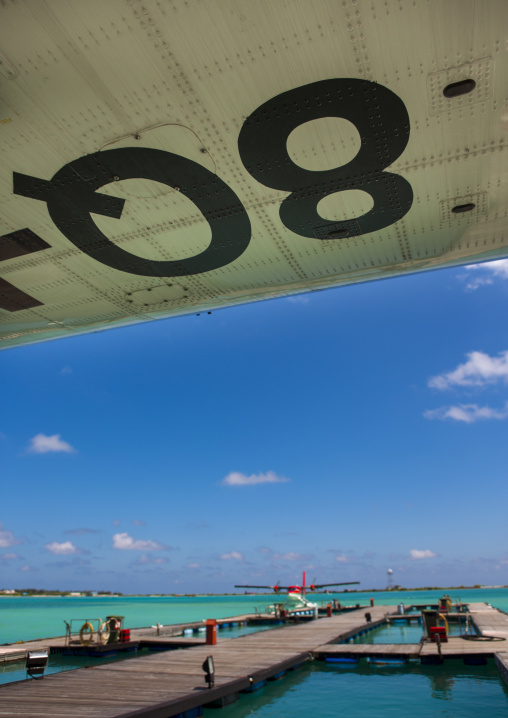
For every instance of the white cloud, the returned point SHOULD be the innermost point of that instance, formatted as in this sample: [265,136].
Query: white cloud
[426,553]
[138,522]
[235,478]
[299,299]
[484,272]
[480,369]
[236,555]
[124,542]
[193,565]
[42,444]
[468,413]
[9,556]
[342,558]
[28,568]
[477,282]
[7,538]
[62,549]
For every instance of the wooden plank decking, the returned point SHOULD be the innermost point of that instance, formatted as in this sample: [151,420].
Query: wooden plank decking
[455,647]
[489,621]
[166,684]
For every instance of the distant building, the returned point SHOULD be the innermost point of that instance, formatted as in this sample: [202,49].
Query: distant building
[8,590]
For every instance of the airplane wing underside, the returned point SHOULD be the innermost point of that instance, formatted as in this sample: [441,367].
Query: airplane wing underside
[169,158]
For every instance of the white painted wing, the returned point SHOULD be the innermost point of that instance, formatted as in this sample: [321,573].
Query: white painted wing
[126,195]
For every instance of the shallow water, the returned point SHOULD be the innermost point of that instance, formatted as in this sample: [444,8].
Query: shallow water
[404,633]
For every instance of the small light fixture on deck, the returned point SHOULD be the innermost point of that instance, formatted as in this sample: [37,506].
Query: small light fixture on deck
[36,663]
[209,672]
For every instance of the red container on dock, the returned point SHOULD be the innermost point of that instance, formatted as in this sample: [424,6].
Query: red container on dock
[211,632]
[438,631]
[125,635]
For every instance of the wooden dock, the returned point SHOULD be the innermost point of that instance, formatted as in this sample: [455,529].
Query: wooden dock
[8,654]
[491,625]
[172,635]
[455,647]
[167,684]
[489,621]
[172,683]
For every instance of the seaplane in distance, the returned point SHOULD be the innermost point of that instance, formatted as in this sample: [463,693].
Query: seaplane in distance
[299,603]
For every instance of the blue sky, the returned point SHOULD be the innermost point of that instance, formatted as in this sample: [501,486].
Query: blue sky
[343,432]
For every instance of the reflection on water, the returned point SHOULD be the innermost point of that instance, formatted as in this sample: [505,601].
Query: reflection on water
[442,685]
[451,690]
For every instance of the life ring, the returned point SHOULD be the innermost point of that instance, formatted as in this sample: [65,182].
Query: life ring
[446,622]
[104,632]
[85,629]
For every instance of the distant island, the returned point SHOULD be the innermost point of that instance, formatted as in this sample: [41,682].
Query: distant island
[42,592]
[47,592]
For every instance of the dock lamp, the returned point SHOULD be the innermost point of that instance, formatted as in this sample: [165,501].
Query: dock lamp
[209,672]
[36,663]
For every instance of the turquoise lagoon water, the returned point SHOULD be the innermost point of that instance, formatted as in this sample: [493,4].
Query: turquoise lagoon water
[24,618]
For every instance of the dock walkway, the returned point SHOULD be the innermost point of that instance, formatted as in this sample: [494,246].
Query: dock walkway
[455,647]
[490,623]
[170,683]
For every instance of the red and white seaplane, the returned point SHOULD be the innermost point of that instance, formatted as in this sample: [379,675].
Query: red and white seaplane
[299,604]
